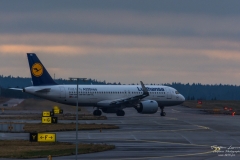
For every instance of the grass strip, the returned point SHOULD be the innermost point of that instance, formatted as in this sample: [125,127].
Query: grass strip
[26,149]
[39,127]
[60,117]
[215,106]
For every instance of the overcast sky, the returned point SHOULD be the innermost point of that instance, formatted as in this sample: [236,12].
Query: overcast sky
[155,41]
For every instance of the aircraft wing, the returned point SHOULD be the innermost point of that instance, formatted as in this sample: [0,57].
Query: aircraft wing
[129,100]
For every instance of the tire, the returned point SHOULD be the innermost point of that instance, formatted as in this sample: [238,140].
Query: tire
[97,112]
[120,113]
[163,113]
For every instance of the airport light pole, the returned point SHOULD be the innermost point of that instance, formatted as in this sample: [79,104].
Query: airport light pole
[77,114]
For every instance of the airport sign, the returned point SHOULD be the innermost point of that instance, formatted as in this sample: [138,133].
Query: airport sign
[42,137]
[55,107]
[33,137]
[49,120]
[54,119]
[56,111]
[46,137]
[51,113]
[46,119]
[46,114]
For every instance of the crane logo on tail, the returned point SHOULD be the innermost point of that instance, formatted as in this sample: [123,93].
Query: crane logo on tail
[37,69]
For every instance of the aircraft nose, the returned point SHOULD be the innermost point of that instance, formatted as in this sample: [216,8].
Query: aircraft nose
[182,98]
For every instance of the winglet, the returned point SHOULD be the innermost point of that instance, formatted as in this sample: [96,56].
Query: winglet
[145,91]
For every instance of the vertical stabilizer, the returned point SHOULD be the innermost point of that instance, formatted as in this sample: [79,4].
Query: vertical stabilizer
[40,75]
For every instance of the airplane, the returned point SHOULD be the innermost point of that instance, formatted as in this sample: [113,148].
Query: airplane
[105,98]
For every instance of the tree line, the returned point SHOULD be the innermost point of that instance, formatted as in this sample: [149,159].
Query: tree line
[192,91]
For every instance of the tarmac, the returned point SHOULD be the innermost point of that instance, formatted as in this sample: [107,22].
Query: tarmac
[11,103]
[184,133]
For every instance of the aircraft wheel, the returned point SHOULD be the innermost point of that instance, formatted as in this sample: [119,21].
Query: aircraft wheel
[120,113]
[162,111]
[163,114]
[97,112]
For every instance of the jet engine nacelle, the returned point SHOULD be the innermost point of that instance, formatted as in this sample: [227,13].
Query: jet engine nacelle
[147,107]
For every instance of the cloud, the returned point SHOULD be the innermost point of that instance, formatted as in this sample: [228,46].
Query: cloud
[125,59]
[156,41]
[6,49]
[121,22]
[213,7]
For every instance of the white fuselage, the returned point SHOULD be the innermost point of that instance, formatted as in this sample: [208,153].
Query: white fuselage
[91,95]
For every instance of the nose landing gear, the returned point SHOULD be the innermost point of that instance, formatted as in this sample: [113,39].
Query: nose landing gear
[120,113]
[162,111]
[97,112]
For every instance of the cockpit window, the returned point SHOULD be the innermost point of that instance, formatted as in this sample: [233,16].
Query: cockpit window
[177,92]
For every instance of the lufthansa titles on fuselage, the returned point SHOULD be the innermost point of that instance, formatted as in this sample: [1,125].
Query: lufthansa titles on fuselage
[152,89]
[95,89]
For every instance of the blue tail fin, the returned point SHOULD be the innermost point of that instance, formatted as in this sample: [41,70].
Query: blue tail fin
[40,75]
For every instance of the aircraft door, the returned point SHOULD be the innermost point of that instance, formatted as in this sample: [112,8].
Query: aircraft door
[169,94]
[62,92]
[127,93]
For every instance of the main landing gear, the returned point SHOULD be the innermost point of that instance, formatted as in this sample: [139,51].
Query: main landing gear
[120,113]
[97,112]
[162,111]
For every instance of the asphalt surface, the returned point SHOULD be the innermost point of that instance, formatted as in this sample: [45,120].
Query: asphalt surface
[183,134]
[11,103]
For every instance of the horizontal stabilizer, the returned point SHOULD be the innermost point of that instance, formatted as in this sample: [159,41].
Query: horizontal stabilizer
[17,89]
